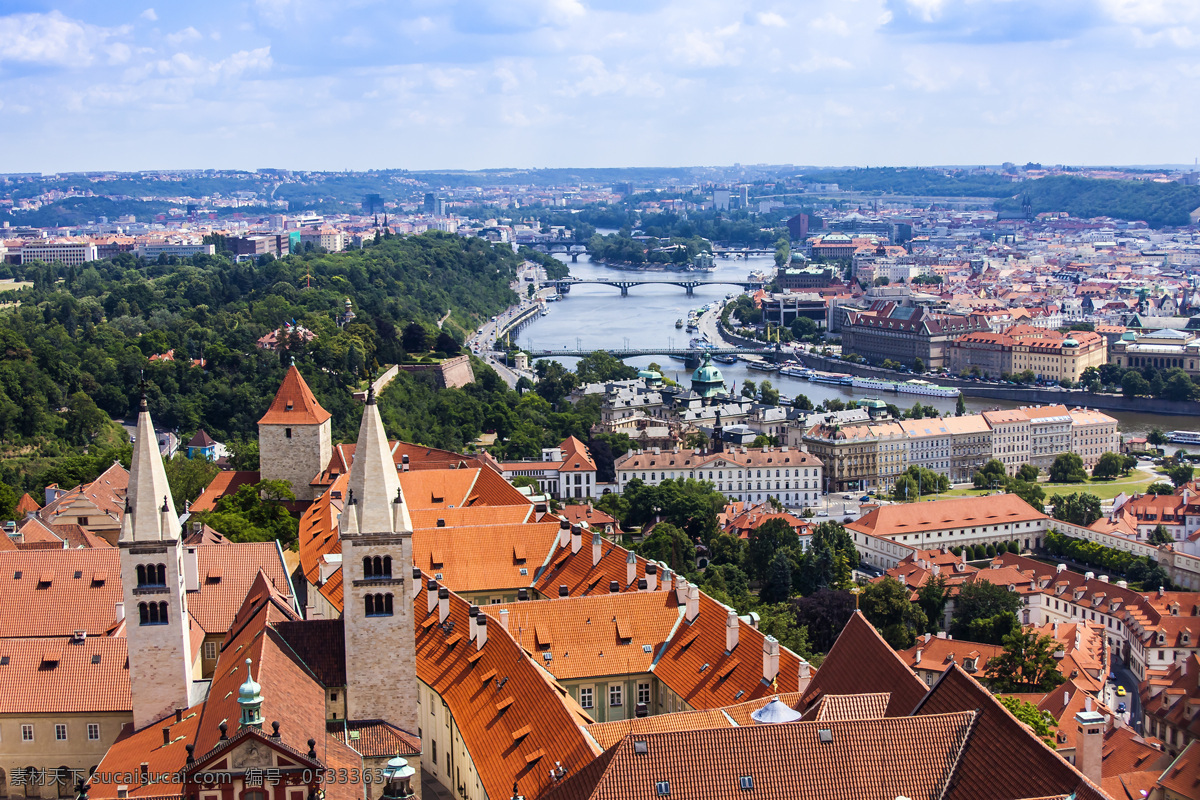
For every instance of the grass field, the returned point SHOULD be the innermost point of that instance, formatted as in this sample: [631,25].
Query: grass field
[1105,490]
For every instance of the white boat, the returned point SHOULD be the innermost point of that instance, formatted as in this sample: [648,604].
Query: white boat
[875,384]
[795,371]
[762,366]
[1184,437]
[818,376]
[918,387]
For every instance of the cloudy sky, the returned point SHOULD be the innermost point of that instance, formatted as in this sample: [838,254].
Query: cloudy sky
[355,84]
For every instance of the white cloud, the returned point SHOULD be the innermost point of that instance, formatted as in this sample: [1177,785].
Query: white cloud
[188,34]
[149,14]
[831,23]
[770,19]
[928,9]
[51,39]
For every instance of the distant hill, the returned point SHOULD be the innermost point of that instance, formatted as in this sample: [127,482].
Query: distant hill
[1157,204]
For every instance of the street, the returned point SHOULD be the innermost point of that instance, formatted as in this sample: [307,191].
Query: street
[1133,703]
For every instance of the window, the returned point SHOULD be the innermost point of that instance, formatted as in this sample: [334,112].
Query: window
[93,732]
[60,733]
[210,650]
[26,733]
[376,567]
[643,693]
[153,613]
[151,574]
[585,697]
[434,753]
[379,605]
[287,432]
[614,695]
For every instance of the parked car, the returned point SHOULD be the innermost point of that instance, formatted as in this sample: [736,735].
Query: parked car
[847,497]
[1120,708]
[1120,691]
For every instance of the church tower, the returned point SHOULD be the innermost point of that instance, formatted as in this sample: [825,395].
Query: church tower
[294,438]
[376,536]
[156,615]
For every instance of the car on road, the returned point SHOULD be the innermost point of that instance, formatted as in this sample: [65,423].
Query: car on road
[1120,691]
[1120,708]
[822,513]
[847,497]
[864,499]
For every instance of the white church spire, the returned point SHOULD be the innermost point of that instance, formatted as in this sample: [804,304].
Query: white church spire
[149,491]
[374,482]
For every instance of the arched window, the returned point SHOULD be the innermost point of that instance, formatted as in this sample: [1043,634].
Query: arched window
[162,575]
[143,613]
[141,574]
[153,613]
[387,604]
[369,601]
[379,605]
[368,567]
[386,572]
[162,613]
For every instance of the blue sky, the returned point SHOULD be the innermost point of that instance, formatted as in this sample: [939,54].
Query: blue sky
[418,84]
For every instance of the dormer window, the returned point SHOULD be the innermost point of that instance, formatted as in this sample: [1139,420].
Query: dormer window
[289,406]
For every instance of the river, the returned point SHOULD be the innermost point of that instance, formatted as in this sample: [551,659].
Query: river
[598,317]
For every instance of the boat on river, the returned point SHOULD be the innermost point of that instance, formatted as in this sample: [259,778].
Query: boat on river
[795,371]
[817,376]
[917,387]
[1184,437]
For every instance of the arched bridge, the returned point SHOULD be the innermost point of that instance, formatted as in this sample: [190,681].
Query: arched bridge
[690,355]
[564,286]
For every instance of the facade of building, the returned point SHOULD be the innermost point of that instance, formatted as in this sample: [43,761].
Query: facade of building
[1092,435]
[747,474]
[566,471]
[1049,434]
[70,254]
[1012,438]
[1162,349]
[905,333]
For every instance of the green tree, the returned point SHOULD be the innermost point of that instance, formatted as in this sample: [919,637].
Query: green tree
[727,549]
[1180,474]
[780,620]
[671,545]
[1031,493]
[984,612]
[765,542]
[1028,472]
[254,514]
[1134,385]
[1128,463]
[960,406]
[1110,465]
[1067,468]
[918,365]
[749,389]
[8,502]
[992,475]
[777,586]
[1160,535]
[918,481]
[188,477]
[555,381]
[886,605]
[1027,664]
[1157,437]
[84,419]
[769,394]
[1078,508]
[601,367]
[416,338]
[801,403]
[1160,487]
[783,252]
[932,598]
[1038,720]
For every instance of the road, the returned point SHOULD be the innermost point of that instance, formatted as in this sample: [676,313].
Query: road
[483,340]
[1132,701]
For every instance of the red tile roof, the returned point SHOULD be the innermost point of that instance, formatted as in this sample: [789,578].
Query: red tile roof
[25,506]
[63,604]
[225,483]
[486,557]
[226,573]
[1183,776]
[44,676]
[294,403]
[861,662]
[868,759]
[374,738]
[516,721]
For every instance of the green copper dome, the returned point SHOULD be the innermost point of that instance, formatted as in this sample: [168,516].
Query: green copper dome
[707,380]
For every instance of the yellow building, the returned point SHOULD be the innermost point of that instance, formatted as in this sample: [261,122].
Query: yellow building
[1055,357]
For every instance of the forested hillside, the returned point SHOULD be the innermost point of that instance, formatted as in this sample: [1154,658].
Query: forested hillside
[74,350]
[1156,204]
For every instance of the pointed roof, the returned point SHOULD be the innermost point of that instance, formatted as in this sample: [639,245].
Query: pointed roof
[201,439]
[374,483]
[149,493]
[999,742]
[862,662]
[294,403]
[25,505]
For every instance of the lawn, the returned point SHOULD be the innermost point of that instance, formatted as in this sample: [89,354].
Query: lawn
[1105,490]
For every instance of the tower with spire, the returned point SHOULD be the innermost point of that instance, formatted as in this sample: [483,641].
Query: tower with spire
[295,441]
[156,614]
[376,538]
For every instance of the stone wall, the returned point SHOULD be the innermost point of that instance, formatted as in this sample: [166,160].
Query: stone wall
[453,373]
[297,459]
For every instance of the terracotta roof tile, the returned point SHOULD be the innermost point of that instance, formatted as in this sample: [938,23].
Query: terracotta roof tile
[493,695]
[1183,776]
[1131,785]
[25,505]
[66,603]
[484,558]
[1125,751]
[851,706]
[583,634]
[294,403]
[861,662]
[877,758]
[226,573]
[374,738]
[225,483]
[40,676]
[320,644]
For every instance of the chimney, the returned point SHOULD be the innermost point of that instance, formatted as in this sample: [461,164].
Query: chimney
[1089,744]
[480,631]
[416,582]
[919,656]
[576,538]
[563,590]
[651,576]
[191,569]
[731,630]
[666,579]
[937,570]
[770,659]
[432,593]
[641,584]
[614,587]
[564,533]
[504,618]
[693,603]
[928,636]
[1161,591]
[680,590]
[120,611]
[963,556]
[630,568]
[472,621]
[443,604]
[1060,568]
[166,736]
[805,676]
[597,545]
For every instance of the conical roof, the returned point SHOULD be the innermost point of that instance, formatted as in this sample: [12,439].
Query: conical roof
[374,483]
[774,712]
[149,492]
[294,403]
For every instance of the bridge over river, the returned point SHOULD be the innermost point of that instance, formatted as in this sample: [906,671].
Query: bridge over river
[564,286]
[690,355]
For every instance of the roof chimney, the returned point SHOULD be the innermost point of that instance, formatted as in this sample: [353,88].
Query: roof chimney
[563,590]
[731,630]
[443,604]
[680,590]
[666,579]
[1089,743]
[614,587]
[805,675]
[597,546]
[693,602]
[416,582]
[120,611]
[651,576]
[576,538]
[770,659]
[472,620]
[431,591]
[480,631]
[564,533]
[504,618]
[641,584]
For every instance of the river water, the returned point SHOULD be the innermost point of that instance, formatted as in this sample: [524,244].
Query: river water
[598,317]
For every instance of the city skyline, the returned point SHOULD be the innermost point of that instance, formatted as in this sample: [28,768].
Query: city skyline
[567,83]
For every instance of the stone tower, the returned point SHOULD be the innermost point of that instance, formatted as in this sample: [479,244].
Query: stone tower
[156,615]
[376,536]
[294,440]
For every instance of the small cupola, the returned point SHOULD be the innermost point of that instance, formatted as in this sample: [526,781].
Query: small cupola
[250,699]
[397,778]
